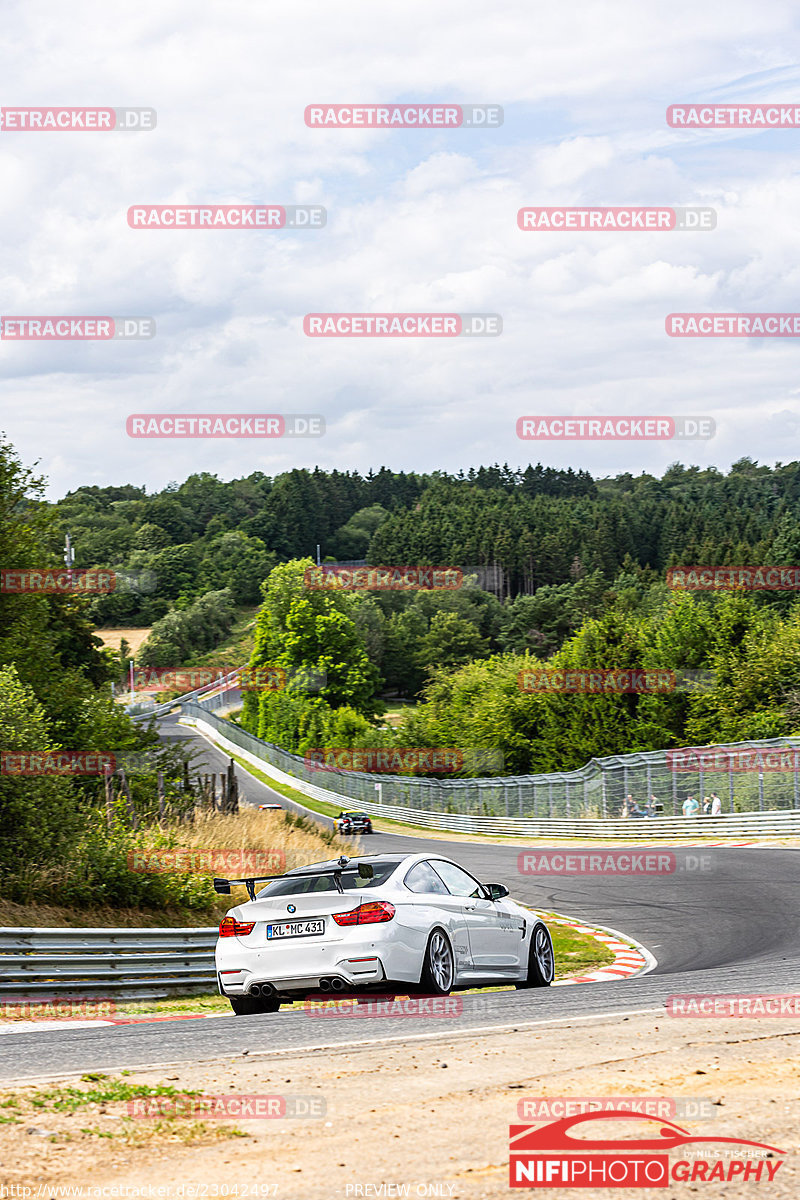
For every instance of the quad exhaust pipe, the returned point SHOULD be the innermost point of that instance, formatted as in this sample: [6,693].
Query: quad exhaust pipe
[334,984]
[262,989]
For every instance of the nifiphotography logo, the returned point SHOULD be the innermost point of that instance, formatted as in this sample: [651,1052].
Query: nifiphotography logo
[552,1155]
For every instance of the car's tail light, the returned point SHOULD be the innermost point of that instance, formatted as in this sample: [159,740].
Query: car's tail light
[366,914]
[230,927]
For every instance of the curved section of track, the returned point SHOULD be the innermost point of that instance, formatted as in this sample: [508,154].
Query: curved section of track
[726,920]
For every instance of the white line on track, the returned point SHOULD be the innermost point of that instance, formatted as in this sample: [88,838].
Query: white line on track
[361,1043]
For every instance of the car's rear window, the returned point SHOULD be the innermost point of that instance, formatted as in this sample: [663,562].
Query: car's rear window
[301,885]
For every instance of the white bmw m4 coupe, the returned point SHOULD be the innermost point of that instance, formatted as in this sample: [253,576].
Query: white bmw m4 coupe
[409,922]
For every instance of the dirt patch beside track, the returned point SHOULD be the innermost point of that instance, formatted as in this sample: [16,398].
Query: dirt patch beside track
[434,1114]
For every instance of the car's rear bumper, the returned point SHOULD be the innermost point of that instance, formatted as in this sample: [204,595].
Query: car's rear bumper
[357,957]
[351,974]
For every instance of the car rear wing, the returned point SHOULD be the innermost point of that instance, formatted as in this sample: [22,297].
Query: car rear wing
[365,871]
[223,886]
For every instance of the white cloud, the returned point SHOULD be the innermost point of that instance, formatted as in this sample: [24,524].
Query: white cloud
[418,221]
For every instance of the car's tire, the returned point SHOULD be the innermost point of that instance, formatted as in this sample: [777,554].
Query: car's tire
[438,965]
[248,1006]
[541,959]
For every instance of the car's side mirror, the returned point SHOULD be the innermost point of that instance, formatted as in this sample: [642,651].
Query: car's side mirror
[496,890]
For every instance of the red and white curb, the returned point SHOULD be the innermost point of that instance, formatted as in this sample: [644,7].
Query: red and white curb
[27,1026]
[630,957]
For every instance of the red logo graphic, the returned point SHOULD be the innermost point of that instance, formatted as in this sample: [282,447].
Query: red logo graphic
[552,1156]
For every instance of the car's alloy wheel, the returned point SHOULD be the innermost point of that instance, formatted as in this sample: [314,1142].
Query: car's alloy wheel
[438,970]
[541,959]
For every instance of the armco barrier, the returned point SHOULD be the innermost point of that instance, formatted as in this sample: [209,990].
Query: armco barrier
[236,741]
[159,710]
[140,963]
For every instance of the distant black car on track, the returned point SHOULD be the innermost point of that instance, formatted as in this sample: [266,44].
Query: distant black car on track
[353,822]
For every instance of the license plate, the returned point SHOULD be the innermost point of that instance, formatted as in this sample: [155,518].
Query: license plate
[296,928]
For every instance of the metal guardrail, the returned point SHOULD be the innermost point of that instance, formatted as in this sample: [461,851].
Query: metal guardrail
[595,792]
[158,710]
[748,824]
[132,963]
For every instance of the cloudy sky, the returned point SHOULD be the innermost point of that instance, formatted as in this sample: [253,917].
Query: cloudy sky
[418,221]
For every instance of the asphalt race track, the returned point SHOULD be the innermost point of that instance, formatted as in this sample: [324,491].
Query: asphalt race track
[726,920]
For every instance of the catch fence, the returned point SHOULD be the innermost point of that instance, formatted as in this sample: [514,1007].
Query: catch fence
[748,777]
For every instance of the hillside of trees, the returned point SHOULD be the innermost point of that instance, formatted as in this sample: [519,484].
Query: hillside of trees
[466,651]
[63,839]
[560,568]
[521,530]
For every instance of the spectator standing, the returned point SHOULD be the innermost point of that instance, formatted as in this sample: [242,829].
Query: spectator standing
[690,807]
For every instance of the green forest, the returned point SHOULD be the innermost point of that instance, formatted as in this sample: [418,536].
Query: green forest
[559,569]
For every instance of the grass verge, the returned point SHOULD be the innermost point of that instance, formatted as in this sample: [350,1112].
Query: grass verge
[113,1102]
